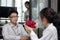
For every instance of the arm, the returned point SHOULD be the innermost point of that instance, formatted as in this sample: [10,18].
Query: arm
[6,35]
[23,31]
[46,36]
[26,16]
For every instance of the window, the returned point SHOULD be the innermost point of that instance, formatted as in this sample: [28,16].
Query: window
[15,3]
[21,9]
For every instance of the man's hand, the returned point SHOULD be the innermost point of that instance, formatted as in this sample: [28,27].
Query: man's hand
[28,29]
[24,38]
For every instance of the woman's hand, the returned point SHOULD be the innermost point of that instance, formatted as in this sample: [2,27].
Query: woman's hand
[28,29]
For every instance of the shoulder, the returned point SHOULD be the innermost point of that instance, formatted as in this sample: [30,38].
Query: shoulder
[20,25]
[53,28]
[6,25]
[26,12]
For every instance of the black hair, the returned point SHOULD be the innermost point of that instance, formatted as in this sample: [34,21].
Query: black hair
[58,24]
[50,15]
[27,3]
[12,11]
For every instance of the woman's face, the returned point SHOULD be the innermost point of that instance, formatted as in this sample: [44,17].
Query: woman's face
[44,21]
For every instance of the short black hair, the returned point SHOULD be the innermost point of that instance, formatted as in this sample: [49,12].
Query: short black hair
[12,11]
[27,2]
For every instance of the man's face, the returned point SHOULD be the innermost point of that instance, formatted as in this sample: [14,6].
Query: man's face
[13,18]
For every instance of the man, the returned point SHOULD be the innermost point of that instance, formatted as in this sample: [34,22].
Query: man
[13,30]
[27,5]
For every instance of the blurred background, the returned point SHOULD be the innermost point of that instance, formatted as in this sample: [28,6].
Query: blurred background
[35,7]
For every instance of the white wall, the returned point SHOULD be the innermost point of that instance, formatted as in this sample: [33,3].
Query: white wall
[6,3]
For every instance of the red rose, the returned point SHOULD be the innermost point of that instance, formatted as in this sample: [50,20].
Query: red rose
[30,23]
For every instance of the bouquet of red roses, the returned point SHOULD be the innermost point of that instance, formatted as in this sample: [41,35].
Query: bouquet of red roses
[30,23]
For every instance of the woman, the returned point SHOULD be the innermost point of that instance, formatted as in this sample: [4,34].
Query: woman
[27,5]
[50,20]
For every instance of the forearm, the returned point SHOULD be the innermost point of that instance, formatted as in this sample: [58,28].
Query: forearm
[33,36]
[11,37]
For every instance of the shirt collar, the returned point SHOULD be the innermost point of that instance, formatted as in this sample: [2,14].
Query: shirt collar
[12,24]
[49,26]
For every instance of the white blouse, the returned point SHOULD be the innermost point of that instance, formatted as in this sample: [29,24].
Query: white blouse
[50,33]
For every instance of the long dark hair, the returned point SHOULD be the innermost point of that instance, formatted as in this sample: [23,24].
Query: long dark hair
[50,15]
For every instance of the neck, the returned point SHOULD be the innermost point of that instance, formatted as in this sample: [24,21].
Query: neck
[28,9]
[14,24]
[47,24]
